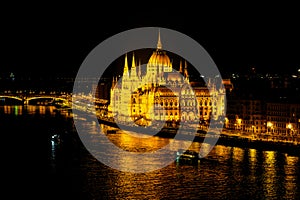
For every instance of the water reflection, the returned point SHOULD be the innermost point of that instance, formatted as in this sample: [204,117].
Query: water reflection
[270,177]
[290,182]
[228,172]
[31,109]
[237,170]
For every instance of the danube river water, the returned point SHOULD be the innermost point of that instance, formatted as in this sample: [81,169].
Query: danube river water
[37,166]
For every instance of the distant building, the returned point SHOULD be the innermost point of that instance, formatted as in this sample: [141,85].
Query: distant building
[228,85]
[263,119]
[283,120]
[246,115]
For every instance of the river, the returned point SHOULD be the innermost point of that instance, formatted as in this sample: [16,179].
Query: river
[35,167]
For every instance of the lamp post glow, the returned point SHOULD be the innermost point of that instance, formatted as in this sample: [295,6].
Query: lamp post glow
[269,125]
[239,122]
[289,129]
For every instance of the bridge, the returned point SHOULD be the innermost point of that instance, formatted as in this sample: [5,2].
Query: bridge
[60,99]
[26,99]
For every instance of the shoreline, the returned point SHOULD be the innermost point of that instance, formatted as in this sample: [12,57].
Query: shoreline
[224,139]
[234,141]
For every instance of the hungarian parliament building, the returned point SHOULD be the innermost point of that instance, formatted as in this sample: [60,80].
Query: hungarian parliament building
[161,93]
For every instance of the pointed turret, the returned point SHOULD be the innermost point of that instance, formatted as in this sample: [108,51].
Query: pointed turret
[159,45]
[116,81]
[113,83]
[186,74]
[133,61]
[133,68]
[125,72]
[180,67]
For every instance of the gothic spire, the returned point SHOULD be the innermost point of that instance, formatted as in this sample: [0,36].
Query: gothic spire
[186,74]
[125,72]
[159,45]
[133,61]
[133,68]
[180,67]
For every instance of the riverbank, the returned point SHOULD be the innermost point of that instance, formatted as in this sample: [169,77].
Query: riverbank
[225,139]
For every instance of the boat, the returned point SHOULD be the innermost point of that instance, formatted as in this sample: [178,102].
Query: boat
[187,156]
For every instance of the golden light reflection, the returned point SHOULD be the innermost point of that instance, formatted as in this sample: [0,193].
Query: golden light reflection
[222,152]
[195,146]
[290,170]
[205,148]
[238,154]
[269,157]
[31,108]
[291,160]
[129,142]
[42,110]
[51,110]
[134,186]
[7,109]
[270,184]
[252,156]
[252,153]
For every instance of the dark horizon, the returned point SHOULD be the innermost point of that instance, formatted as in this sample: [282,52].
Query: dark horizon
[46,46]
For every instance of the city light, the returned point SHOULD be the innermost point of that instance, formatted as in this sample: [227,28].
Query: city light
[269,124]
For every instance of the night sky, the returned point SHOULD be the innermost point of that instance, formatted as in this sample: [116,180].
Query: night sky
[54,42]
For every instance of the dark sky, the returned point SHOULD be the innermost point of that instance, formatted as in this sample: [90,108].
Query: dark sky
[56,41]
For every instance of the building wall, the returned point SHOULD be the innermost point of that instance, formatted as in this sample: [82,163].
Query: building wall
[165,97]
[280,120]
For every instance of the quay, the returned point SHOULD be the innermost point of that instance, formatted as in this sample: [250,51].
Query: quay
[225,138]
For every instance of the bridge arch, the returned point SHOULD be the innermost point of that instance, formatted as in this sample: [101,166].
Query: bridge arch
[11,97]
[44,97]
[53,98]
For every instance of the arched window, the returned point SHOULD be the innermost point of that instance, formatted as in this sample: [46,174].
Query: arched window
[182,103]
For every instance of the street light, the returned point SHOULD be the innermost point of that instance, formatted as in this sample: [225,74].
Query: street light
[226,122]
[239,122]
[269,125]
[253,131]
[289,127]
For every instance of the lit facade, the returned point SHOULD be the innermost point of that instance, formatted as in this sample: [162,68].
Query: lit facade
[283,120]
[267,120]
[161,93]
[246,115]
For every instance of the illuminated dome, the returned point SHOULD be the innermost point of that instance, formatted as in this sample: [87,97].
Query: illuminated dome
[159,58]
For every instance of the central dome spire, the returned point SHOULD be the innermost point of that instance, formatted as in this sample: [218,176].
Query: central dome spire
[159,45]
[160,59]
